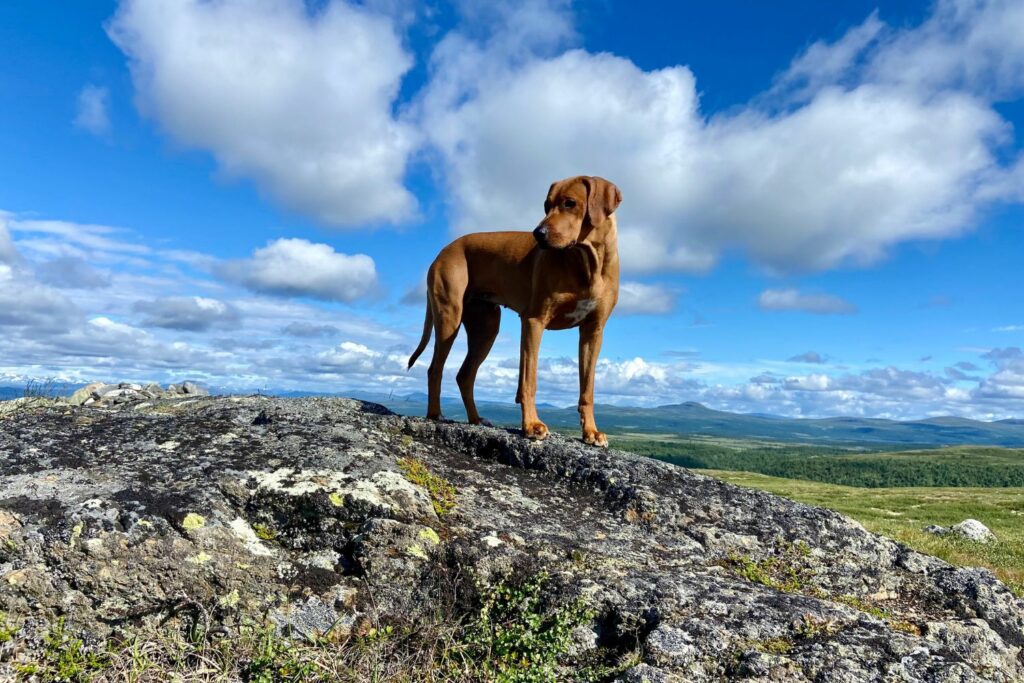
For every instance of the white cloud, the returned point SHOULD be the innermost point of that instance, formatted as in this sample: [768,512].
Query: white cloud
[298,100]
[298,267]
[975,45]
[8,255]
[26,305]
[100,239]
[857,163]
[1007,382]
[92,114]
[70,272]
[34,307]
[639,298]
[794,300]
[191,313]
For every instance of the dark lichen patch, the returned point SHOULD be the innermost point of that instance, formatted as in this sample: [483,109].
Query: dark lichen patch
[47,512]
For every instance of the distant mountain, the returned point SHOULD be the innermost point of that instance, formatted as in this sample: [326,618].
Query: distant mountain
[694,419]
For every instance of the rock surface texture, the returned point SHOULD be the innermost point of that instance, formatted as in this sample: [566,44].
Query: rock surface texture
[301,513]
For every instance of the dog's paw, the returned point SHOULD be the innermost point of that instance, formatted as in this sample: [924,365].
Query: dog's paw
[538,431]
[482,422]
[595,438]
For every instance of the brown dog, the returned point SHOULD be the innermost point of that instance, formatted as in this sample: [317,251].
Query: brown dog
[565,274]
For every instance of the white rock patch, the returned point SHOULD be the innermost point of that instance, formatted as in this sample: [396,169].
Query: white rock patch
[248,537]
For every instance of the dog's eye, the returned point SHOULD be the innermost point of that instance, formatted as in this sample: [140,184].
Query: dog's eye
[569,204]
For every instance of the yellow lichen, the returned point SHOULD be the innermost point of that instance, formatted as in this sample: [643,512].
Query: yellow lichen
[193,521]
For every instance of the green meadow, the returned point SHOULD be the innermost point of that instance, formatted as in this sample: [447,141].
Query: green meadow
[901,512]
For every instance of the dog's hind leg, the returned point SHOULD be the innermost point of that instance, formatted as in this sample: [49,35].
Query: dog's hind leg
[481,320]
[446,294]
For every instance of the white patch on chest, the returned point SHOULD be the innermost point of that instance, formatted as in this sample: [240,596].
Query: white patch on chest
[584,307]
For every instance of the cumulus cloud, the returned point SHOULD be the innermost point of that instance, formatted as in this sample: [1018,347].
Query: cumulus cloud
[298,267]
[190,313]
[1007,382]
[92,114]
[69,272]
[794,300]
[298,100]
[807,357]
[639,298]
[837,164]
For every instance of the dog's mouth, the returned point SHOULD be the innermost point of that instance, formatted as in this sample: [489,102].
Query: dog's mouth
[543,243]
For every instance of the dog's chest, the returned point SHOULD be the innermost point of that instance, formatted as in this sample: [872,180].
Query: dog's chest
[572,313]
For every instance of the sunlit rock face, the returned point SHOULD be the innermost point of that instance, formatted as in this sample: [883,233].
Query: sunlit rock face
[309,517]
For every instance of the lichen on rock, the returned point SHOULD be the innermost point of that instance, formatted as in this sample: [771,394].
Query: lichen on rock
[299,516]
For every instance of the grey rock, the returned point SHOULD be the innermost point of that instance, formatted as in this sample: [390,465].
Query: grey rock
[973,530]
[645,673]
[84,394]
[193,389]
[936,529]
[309,618]
[297,511]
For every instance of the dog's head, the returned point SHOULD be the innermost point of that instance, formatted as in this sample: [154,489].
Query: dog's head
[576,209]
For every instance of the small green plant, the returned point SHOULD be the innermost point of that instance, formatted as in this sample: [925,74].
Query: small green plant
[864,606]
[277,661]
[811,627]
[65,658]
[7,630]
[774,646]
[515,638]
[264,531]
[441,491]
[782,571]
[44,389]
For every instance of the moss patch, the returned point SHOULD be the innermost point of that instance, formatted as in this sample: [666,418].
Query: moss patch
[441,491]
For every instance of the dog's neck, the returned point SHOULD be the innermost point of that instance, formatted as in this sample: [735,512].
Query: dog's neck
[601,250]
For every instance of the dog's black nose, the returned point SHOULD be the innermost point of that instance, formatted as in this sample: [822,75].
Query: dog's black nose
[541,233]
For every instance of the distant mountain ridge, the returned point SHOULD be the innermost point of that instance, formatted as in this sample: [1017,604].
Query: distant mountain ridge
[695,419]
[690,419]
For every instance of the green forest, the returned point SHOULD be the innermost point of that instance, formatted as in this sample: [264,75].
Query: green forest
[960,466]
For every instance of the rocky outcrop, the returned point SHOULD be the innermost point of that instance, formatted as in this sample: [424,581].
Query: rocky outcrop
[101,394]
[333,516]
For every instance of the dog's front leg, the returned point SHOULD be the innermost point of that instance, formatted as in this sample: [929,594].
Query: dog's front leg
[529,349]
[591,333]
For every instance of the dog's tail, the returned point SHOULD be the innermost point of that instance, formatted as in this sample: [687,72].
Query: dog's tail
[428,325]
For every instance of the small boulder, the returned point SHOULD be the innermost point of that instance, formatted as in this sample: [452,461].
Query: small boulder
[193,389]
[973,530]
[85,393]
[936,529]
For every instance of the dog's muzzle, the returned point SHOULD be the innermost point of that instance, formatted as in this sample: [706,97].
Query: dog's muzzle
[540,233]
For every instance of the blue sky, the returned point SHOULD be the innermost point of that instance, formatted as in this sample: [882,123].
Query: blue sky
[822,201]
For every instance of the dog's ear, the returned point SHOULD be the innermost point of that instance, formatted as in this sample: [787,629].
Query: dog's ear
[549,201]
[602,199]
